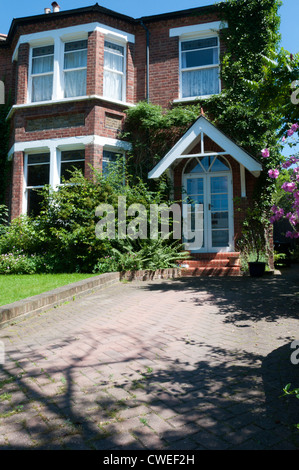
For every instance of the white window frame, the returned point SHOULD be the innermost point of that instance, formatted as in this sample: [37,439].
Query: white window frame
[25,177]
[64,71]
[187,38]
[31,75]
[123,44]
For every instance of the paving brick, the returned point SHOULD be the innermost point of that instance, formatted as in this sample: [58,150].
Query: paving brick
[200,370]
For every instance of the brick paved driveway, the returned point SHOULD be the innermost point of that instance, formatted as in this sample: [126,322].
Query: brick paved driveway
[187,364]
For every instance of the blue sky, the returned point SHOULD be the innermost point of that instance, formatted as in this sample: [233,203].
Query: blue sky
[289,12]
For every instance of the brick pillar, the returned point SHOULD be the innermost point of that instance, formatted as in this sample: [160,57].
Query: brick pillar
[22,74]
[93,158]
[130,85]
[95,63]
[17,184]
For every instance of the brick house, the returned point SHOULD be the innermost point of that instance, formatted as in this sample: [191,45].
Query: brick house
[72,74]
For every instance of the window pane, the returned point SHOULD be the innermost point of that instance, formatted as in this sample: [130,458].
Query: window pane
[194,167]
[75,59]
[219,220]
[112,85]
[218,184]
[72,155]
[42,88]
[109,158]
[219,202]
[44,50]
[75,45]
[113,61]
[67,169]
[199,44]
[195,186]
[116,48]
[199,58]
[42,64]
[200,82]
[219,238]
[75,83]
[220,165]
[38,175]
[34,200]
[38,158]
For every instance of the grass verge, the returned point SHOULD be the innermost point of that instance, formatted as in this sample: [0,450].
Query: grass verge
[15,287]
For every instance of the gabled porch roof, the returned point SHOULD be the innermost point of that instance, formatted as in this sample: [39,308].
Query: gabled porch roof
[195,134]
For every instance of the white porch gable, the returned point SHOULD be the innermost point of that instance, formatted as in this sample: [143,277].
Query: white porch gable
[202,127]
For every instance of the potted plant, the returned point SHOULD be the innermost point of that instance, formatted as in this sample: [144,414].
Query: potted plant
[254,242]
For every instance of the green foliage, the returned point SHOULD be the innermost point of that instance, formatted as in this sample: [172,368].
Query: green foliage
[254,235]
[63,237]
[153,132]
[17,263]
[133,255]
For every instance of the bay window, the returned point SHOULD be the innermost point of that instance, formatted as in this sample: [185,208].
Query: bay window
[42,73]
[199,67]
[114,76]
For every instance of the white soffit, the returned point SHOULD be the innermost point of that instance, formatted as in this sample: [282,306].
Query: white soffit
[197,29]
[202,125]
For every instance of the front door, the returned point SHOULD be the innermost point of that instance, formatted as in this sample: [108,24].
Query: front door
[207,206]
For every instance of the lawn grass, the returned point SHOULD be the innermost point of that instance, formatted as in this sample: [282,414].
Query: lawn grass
[15,287]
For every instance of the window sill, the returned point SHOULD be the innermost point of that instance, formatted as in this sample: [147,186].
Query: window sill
[194,98]
[66,100]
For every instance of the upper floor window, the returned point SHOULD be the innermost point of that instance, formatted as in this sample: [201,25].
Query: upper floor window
[42,73]
[200,67]
[75,66]
[114,76]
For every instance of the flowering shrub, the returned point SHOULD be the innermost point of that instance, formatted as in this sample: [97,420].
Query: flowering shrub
[291,188]
[17,263]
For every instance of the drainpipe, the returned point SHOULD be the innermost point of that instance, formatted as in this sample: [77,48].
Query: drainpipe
[147,60]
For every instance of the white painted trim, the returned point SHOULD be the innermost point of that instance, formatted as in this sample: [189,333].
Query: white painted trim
[204,126]
[196,29]
[67,100]
[71,33]
[66,143]
[243,181]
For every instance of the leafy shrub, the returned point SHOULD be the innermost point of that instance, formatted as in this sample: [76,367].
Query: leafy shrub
[17,263]
[63,237]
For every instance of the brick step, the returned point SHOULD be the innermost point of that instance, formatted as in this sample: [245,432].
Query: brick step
[211,263]
[228,255]
[210,271]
